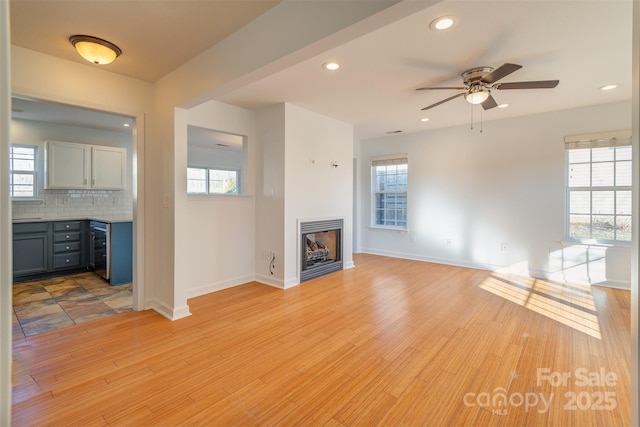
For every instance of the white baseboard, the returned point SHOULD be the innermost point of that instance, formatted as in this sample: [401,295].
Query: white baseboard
[167,311]
[218,286]
[538,274]
[268,280]
[435,260]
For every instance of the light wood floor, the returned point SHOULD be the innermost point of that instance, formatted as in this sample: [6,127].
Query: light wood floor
[390,342]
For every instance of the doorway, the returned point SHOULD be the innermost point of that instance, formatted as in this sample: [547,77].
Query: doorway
[35,120]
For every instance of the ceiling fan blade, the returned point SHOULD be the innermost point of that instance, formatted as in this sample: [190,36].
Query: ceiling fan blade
[541,84]
[500,72]
[489,103]
[444,100]
[436,88]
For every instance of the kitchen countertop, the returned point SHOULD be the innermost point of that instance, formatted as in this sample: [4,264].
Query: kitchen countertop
[107,219]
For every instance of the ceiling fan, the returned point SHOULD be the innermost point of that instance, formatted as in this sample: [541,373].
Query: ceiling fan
[480,81]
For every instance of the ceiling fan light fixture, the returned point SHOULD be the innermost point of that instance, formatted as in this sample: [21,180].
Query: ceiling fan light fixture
[442,23]
[94,49]
[477,96]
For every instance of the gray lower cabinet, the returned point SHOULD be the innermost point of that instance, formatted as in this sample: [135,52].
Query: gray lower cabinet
[43,249]
[68,244]
[31,248]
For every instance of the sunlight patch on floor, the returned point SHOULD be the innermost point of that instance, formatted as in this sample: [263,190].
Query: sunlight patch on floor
[567,303]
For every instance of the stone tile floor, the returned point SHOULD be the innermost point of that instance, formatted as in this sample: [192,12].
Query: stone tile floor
[49,304]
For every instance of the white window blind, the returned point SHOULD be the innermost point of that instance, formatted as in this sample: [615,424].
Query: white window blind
[22,171]
[389,177]
[599,169]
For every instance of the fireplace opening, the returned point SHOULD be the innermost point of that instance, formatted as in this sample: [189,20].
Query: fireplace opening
[321,247]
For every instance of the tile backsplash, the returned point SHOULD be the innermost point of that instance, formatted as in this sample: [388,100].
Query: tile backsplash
[75,203]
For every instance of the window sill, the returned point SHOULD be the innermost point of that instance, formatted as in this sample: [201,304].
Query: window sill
[593,242]
[29,201]
[209,197]
[389,228]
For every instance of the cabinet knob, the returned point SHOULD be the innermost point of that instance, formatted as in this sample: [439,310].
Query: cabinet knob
[67,248]
[68,226]
[67,261]
[67,236]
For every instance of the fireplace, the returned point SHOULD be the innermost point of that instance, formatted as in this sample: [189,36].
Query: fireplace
[321,248]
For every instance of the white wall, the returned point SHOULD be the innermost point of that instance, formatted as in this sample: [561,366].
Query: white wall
[5,221]
[69,203]
[217,240]
[298,182]
[479,190]
[314,189]
[270,174]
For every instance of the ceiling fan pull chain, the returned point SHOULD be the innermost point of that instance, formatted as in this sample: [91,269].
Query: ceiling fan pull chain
[481,120]
[471,105]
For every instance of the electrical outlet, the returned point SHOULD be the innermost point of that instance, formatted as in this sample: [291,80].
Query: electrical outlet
[413,238]
[449,242]
[504,246]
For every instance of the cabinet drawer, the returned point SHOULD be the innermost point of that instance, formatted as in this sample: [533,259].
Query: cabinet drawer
[66,225]
[72,236]
[71,260]
[30,227]
[66,247]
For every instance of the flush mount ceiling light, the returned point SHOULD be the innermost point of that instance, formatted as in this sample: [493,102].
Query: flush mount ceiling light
[95,50]
[477,95]
[331,66]
[442,23]
[424,119]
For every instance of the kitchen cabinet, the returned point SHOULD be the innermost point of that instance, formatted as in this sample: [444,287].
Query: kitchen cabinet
[31,248]
[111,250]
[47,248]
[69,243]
[71,165]
[121,253]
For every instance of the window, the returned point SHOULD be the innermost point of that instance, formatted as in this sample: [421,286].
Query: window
[22,171]
[212,181]
[389,187]
[599,188]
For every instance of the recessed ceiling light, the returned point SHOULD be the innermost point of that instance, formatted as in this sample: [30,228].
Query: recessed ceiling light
[331,66]
[442,23]
[126,125]
[608,87]
[424,119]
[503,105]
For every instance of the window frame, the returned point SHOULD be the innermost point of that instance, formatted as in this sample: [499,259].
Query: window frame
[207,181]
[596,141]
[33,173]
[395,159]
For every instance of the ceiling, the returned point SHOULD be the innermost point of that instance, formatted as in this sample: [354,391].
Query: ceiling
[156,36]
[584,44]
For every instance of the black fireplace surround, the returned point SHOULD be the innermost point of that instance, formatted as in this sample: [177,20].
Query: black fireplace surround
[321,248]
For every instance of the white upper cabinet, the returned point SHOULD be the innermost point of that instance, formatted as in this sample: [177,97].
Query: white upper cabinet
[108,168]
[70,165]
[67,165]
